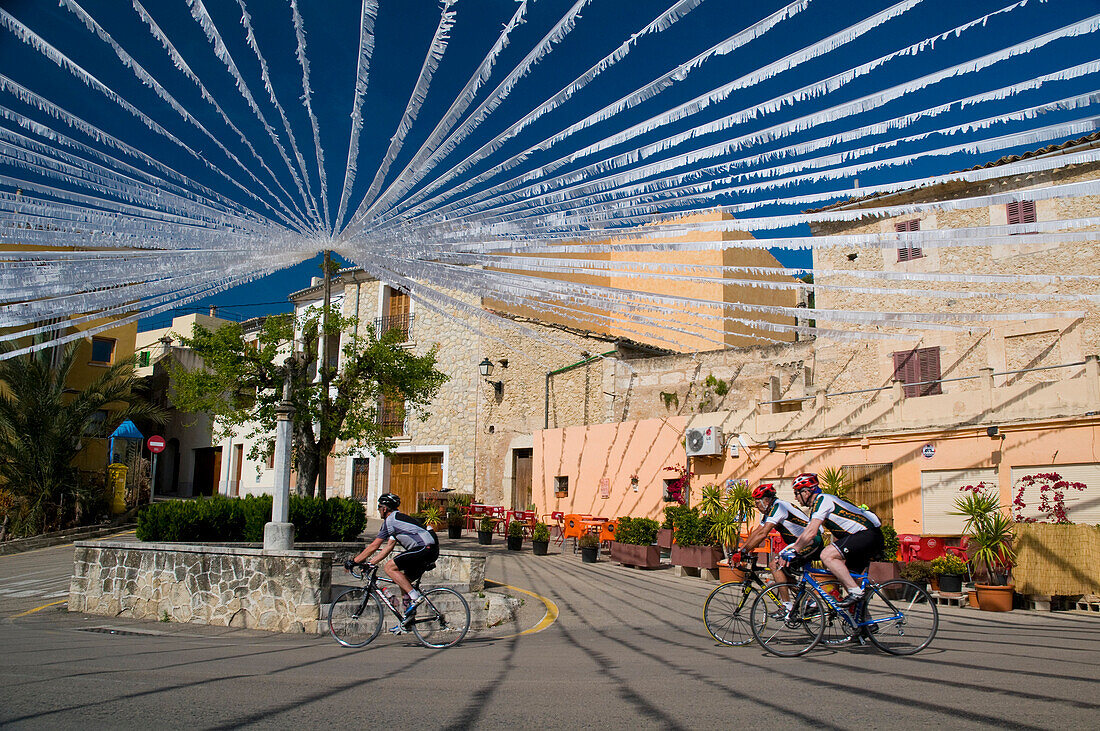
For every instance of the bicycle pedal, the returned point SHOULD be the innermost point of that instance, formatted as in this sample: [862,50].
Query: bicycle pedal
[397,629]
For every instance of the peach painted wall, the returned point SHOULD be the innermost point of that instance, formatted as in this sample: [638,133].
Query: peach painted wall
[615,450]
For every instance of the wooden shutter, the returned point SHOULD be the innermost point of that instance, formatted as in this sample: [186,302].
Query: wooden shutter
[915,367]
[1021,212]
[873,486]
[907,252]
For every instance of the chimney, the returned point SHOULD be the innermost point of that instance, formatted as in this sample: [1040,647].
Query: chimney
[213,310]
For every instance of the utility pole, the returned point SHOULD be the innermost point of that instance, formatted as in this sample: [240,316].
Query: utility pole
[326,377]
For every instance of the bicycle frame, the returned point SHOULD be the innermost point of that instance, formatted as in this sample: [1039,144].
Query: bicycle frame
[866,584]
[372,588]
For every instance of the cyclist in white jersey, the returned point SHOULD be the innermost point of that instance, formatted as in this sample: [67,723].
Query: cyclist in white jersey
[420,544]
[857,534]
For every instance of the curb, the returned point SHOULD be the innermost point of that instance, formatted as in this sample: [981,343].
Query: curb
[21,545]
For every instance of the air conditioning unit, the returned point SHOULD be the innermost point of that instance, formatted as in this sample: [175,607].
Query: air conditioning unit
[704,441]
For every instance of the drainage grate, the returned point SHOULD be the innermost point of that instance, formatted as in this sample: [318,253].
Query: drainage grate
[120,632]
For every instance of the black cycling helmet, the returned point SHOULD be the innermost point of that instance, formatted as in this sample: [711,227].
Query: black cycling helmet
[389,501]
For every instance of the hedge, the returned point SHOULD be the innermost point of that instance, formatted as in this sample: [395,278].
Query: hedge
[234,519]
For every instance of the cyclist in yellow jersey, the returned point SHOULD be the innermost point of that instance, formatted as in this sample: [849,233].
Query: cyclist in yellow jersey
[857,534]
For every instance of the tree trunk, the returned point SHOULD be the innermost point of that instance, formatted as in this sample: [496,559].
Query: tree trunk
[306,456]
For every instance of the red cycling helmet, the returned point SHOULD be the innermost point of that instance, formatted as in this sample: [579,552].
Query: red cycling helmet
[806,481]
[763,490]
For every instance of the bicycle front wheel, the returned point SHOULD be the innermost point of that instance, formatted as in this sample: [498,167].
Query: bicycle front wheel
[726,613]
[788,632]
[442,619]
[903,617]
[355,618]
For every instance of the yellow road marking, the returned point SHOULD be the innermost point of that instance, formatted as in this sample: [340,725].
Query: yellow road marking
[548,619]
[38,609]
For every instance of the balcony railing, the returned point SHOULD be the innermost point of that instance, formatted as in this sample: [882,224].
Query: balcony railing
[400,323]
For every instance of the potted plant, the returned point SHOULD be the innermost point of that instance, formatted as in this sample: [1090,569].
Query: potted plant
[634,543]
[434,517]
[919,572]
[885,566]
[694,547]
[949,571]
[485,530]
[990,545]
[668,527]
[589,544]
[456,521]
[515,535]
[834,481]
[540,539]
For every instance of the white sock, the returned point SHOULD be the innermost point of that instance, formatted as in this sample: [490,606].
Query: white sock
[414,595]
[788,605]
[855,592]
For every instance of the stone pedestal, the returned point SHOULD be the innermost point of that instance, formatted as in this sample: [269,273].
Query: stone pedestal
[278,536]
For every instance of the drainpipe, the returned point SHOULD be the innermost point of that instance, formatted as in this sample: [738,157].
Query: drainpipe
[578,364]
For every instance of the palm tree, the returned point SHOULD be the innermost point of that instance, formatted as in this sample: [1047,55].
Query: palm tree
[42,423]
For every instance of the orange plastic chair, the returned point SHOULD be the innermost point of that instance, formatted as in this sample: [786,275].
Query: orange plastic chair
[572,528]
[607,532]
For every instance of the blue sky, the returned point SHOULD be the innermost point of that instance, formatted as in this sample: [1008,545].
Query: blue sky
[404,29]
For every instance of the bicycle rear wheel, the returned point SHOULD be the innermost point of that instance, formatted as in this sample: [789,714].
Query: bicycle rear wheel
[355,617]
[442,619]
[726,613]
[904,617]
[783,632]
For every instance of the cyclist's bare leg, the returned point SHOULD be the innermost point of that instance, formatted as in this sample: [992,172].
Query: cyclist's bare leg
[398,577]
[833,561]
[781,577]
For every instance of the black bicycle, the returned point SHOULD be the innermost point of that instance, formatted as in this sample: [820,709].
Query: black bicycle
[355,616]
[726,611]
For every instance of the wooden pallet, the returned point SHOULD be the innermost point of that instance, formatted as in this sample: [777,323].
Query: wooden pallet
[1088,606]
[950,600]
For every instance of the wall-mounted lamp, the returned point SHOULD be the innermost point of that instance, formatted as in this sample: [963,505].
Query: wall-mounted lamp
[993,432]
[486,368]
[771,445]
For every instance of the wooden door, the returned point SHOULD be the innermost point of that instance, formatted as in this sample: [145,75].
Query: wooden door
[413,473]
[238,456]
[217,470]
[873,486]
[521,478]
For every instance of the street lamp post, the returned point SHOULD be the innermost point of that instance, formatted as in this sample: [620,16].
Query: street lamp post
[279,533]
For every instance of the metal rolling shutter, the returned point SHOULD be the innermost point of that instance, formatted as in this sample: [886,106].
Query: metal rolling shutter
[1082,506]
[938,489]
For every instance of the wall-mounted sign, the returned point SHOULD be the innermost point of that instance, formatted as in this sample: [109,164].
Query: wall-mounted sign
[928,450]
[605,487]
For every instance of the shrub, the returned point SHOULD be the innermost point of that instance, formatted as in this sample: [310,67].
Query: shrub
[693,529]
[919,572]
[672,513]
[890,544]
[485,525]
[588,540]
[541,532]
[948,565]
[455,517]
[515,529]
[230,519]
[636,531]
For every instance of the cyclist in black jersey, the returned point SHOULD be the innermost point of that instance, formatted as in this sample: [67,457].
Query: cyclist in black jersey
[857,534]
[421,549]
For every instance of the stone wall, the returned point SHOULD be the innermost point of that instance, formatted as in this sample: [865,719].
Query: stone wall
[281,591]
[231,586]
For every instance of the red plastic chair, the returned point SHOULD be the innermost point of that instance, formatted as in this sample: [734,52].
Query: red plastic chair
[907,547]
[555,522]
[930,548]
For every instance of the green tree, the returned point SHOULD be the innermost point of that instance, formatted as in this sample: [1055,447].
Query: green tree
[43,425]
[241,386]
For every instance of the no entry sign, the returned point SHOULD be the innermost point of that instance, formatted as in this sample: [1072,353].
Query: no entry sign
[156,444]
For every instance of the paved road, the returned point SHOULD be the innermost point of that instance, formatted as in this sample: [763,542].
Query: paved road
[628,651]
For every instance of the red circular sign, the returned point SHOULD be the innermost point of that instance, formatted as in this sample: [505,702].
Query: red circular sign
[156,444]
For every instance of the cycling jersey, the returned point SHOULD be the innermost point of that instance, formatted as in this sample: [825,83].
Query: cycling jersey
[788,520]
[841,517]
[407,531]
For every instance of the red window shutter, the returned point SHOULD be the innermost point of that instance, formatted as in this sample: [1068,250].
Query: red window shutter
[907,252]
[928,361]
[1027,211]
[1013,212]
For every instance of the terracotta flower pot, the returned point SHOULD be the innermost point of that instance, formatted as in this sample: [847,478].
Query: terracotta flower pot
[727,575]
[995,598]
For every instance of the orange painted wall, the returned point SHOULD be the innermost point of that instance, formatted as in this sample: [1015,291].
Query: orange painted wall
[587,453]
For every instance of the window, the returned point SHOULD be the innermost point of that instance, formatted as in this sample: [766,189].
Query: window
[333,351]
[391,416]
[907,252]
[97,425]
[783,407]
[271,459]
[918,366]
[360,469]
[397,317]
[561,486]
[1021,212]
[143,359]
[103,350]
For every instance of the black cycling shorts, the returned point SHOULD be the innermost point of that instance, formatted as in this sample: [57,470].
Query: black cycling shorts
[808,555]
[859,548]
[413,563]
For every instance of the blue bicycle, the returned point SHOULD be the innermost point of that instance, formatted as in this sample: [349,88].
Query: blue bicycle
[897,616]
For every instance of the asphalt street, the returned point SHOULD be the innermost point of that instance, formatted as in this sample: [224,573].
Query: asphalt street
[627,650]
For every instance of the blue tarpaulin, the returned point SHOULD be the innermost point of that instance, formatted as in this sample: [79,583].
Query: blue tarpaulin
[125,430]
